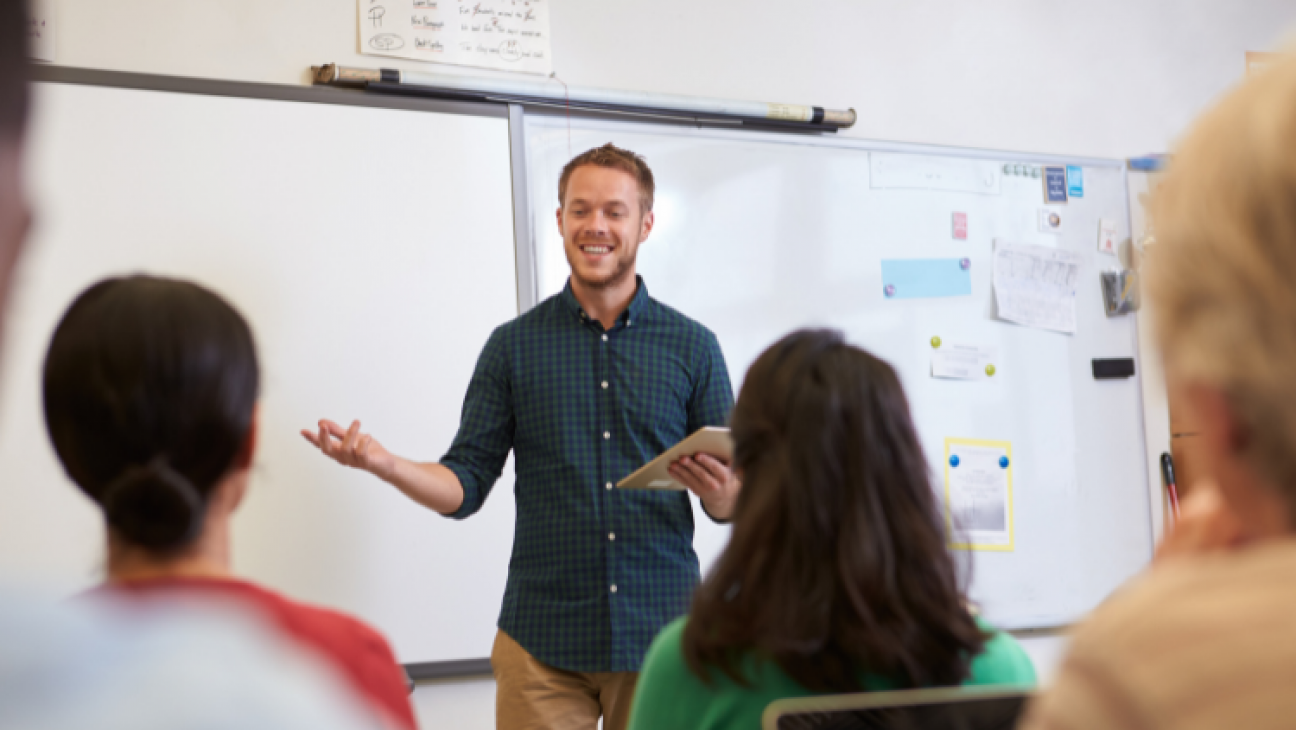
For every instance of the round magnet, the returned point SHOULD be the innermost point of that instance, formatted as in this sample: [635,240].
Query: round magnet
[1034,172]
[935,342]
[965,264]
[889,290]
[1003,462]
[1007,169]
[954,460]
[990,370]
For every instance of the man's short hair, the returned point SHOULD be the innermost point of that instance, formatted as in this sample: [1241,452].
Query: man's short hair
[13,67]
[615,158]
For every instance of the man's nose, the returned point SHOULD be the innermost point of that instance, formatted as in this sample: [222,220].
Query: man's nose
[598,223]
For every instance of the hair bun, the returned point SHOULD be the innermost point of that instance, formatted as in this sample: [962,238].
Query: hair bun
[154,506]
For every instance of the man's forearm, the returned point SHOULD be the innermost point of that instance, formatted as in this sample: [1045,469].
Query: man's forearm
[431,485]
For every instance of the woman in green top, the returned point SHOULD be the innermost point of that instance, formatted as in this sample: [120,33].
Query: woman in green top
[836,577]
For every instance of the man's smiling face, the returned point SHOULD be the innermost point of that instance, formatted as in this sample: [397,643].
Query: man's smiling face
[603,222]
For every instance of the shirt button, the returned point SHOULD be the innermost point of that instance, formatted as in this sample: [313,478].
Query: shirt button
[604,385]
[628,323]
[614,587]
[606,435]
[611,535]
[605,338]
[609,485]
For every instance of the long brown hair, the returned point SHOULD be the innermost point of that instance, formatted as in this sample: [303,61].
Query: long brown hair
[837,563]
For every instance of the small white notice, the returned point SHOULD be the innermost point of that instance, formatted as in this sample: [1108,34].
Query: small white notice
[509,35]
[962,362]
[978,494]
[1035,286]
[1107,236]
[889,170]
[40,30]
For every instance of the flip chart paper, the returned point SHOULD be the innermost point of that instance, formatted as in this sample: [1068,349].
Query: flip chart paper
[510,35]
[925,278]
[40,30]
[1035,286]
[962,362]
[978,494]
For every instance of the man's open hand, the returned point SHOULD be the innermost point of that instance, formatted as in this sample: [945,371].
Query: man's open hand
[350,447]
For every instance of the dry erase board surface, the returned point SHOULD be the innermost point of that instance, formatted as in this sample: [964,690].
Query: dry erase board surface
[372,251]
[757,235]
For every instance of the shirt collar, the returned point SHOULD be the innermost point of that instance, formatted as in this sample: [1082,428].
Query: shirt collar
[637,310]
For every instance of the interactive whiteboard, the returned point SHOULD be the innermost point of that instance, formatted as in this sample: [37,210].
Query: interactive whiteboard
[759,234]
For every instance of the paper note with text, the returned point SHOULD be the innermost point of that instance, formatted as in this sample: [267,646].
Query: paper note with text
[978,494]
[1035,286]
[963,362]
[509,35]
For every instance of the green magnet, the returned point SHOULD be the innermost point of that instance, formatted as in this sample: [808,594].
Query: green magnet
[935,342]
[990,370]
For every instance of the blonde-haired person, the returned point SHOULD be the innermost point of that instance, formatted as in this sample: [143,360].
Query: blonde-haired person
[1207,638]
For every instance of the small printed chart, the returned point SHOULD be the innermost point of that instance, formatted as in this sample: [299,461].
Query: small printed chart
[509,35]
[978,494]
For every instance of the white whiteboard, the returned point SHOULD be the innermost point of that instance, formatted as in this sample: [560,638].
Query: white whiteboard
[371,249]
[757,235]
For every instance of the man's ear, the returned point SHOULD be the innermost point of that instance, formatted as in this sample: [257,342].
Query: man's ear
[649,220]
[558,214]
[1215,420]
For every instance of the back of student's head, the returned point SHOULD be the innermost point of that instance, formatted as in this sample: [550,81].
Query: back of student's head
[837,563]
[150,388]
[1222,275]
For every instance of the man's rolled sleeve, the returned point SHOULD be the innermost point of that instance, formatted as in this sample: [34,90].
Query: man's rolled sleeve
[712,398]
[486,428]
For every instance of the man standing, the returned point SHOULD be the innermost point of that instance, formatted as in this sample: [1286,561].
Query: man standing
[585,388]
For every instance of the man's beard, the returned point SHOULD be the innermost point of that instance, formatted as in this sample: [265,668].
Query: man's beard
[624,265]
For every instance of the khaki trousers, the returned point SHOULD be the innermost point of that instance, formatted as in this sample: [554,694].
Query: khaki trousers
[530,695]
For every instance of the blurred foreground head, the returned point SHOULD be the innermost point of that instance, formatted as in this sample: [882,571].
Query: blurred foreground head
[150,392]
[1222,285]
[15,217]
[837,559]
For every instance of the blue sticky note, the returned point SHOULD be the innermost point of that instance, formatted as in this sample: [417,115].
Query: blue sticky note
[924,278]
[1075,181]
[1055,185]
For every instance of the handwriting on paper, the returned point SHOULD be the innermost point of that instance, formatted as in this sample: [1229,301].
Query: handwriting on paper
[1035,286]
[500,34]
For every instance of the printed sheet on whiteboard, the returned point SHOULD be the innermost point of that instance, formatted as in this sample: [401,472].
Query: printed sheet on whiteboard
[509,35]
[1035,286]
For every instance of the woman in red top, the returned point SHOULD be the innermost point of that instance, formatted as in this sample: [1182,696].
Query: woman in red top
[150,399]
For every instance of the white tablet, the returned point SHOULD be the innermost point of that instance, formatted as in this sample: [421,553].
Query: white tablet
[655,475]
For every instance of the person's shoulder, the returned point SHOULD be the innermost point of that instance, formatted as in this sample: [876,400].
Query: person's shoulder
[330,623]
[1002,660]
[670,316]
[1222,596]
[666,652]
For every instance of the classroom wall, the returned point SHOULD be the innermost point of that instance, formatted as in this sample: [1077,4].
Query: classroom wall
[1102,77]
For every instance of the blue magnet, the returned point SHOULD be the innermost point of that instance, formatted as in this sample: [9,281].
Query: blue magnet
[965,264]
[954,460]
[889,290]
[1003,462]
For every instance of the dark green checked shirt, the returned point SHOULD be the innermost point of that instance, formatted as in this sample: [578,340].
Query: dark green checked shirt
[596,571]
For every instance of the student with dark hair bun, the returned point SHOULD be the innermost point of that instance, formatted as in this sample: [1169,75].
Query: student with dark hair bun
[150,395]
[836,578]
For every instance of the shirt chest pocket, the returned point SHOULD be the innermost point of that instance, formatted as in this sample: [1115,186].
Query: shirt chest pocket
[655,400]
